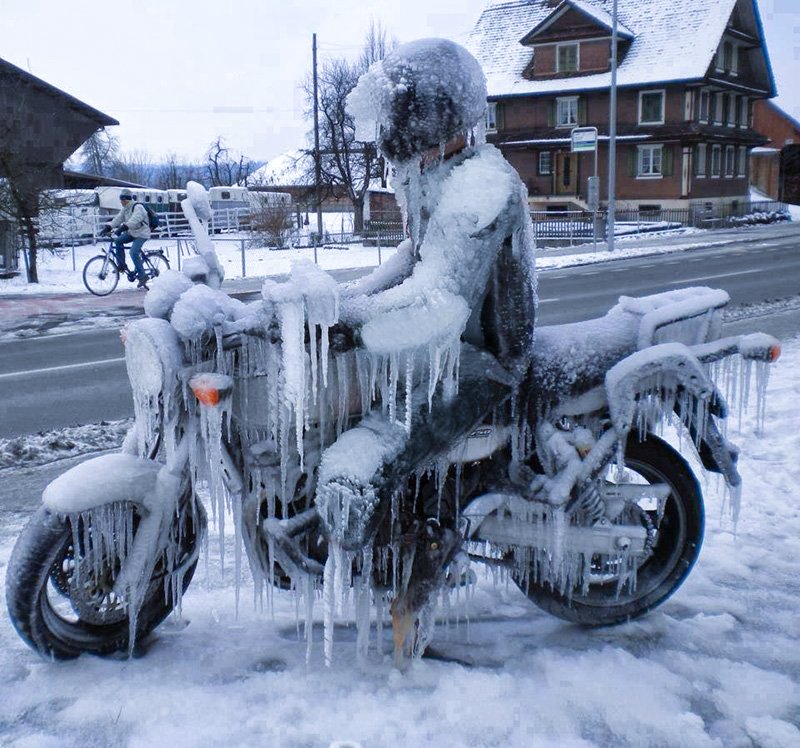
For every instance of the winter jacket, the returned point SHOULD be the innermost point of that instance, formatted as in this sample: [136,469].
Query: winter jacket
[135,216]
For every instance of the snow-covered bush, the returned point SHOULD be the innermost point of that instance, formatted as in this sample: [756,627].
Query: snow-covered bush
[760,218]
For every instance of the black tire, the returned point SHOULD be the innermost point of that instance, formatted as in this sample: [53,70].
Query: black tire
[159,264]
[100,276]
[42,549]
[680,537]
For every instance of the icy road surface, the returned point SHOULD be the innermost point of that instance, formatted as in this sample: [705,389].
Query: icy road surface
[718,665]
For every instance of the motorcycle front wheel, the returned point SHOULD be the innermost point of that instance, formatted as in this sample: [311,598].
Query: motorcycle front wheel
[60,597]
[679,538]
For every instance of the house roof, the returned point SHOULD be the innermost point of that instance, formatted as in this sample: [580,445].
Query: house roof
[103,120]
[673,40]
[291,169]
[783,113]
[598,15]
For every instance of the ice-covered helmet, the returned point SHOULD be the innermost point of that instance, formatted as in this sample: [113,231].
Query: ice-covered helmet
[420,95]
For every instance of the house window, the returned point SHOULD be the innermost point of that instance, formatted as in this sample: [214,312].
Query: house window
[716,160]
[718,106]
[545,163]
[567,58]
[704,105]
[735,60]
[741,117]
[742,160]
[727,57]
[732,109]
[491,117]
[649,161]
[567,112]
[700,160]
[730,161]
[651,108]
[726,109]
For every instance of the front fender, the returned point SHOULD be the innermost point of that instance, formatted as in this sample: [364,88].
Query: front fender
[102,480]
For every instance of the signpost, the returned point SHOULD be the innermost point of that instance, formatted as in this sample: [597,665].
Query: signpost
[584,140]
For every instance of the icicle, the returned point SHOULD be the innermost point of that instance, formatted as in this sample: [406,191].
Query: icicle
[434,369]
[409,388]
[329,603]
[762,381]
[211,418]
[394,365]
[312,337]
[308,590]
[363,604]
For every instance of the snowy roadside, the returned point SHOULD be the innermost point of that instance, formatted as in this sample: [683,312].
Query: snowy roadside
[47,446]
[718,665]
[57,276]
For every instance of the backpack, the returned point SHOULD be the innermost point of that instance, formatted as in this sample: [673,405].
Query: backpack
[152,217]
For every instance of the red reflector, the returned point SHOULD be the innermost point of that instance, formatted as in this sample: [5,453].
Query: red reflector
[774,353]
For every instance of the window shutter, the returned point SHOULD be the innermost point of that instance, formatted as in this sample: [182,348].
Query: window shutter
[666,159]
[499,116]
[582,116]
[551,114]
[633,161]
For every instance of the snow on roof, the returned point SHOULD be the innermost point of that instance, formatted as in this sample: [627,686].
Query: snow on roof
[291,169]
[673,40]
[602,18]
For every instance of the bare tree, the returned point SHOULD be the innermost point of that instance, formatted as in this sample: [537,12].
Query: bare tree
[134,166]
[99,153]
[345,162]
[171,174]
[225,166]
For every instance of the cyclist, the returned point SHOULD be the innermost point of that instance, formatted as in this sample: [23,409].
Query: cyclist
[133,226]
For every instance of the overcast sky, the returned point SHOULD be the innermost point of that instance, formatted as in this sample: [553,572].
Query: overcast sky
[177,73]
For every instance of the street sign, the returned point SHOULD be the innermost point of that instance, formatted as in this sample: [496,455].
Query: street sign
[584,139]
[593,194]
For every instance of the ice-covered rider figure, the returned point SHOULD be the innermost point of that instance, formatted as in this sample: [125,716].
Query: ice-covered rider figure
[466,272]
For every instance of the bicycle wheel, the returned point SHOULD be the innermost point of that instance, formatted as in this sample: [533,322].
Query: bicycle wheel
[100,275]
[156,263]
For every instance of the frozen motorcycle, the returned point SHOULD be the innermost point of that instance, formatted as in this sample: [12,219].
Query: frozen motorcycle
[569,489]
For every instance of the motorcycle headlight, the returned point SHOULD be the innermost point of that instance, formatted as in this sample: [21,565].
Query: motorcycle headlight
[152,356]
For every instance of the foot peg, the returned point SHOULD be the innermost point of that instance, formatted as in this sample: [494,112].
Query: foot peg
[284,535]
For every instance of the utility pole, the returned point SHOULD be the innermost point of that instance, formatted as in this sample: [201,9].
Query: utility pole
[317,167]
[612,134]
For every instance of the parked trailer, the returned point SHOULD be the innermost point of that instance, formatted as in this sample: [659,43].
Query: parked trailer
[109,204]
[228,197]
[269,199]
[174,198]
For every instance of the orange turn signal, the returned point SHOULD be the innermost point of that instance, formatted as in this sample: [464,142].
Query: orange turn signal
[206,395]
[774,353]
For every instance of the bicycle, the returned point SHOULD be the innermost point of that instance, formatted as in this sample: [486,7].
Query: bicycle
[101,273]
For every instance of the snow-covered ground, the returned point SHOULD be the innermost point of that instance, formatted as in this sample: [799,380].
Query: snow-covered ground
[57,276]
[48,446]
[717,665]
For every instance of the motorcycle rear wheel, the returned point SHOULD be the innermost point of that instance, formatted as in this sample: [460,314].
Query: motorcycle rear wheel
[680,536]
[58,623]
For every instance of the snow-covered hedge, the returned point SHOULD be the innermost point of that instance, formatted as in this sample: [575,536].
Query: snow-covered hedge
[761,217]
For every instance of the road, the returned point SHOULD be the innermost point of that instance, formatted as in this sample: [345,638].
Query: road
[51,382]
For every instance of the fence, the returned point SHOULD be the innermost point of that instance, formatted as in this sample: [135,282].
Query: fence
[577,227]
[553,228]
